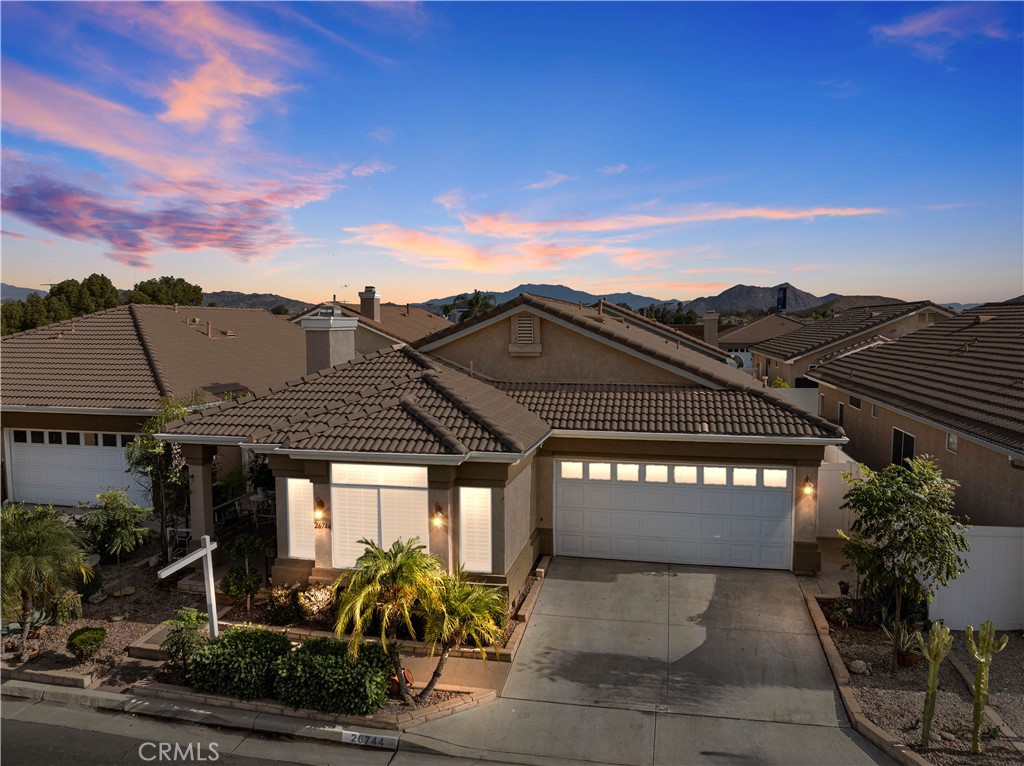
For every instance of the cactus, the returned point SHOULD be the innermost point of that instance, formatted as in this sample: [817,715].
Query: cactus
[935,649]
[982,652]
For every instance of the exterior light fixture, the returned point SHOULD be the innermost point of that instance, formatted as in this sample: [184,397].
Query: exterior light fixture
[808,486]
[437,520]
[319,508]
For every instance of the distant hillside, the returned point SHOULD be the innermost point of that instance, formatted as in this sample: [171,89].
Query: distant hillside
[12,293]
[560,292]
[235,300]
[752,298]
[959,307]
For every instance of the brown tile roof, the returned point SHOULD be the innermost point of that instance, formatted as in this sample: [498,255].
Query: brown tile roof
[130,356]
[395,400]
[404,323]
[821,335]
[677,353]
[664,409]
[965,373]
[665,330]
[765,328]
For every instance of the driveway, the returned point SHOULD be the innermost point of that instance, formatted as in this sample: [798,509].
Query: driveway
[635,663]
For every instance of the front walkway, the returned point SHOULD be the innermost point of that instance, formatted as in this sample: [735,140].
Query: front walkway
[634,663]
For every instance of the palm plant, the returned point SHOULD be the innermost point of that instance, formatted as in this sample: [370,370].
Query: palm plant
[386,585]
[41,555]
[463,612]
[113,527]
[476,304]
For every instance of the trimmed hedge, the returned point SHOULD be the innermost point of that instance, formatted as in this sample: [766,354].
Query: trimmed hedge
[320,675]
[240,663]
[85,643]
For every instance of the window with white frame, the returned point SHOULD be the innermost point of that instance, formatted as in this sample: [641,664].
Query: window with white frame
[475,529]
[301,533]
[381,503]
[951,441]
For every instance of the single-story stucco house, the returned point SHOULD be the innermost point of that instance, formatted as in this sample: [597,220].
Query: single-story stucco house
[538,427]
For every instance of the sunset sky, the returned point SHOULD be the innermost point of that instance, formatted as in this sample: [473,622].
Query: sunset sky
[668,149]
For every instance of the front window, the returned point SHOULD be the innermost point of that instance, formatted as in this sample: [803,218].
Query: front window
[902,446]
[475,529]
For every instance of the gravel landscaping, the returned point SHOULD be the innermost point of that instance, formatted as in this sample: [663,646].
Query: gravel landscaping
[894,701]
[153,602]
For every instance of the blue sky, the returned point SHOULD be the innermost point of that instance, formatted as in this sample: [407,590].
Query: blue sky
[670,149]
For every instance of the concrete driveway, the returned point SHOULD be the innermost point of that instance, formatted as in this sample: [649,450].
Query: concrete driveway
[634,663]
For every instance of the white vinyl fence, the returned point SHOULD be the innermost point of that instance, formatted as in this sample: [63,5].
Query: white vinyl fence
[832,490]
[992,588]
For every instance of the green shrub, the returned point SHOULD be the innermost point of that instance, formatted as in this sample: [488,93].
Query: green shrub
[284,608]
[240,663]
[779,383]
[320,675]
[239,583]
[186,636]
[318,602]
[67,606]
[85,643]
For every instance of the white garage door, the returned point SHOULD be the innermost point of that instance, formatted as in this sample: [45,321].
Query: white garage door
[68,467]
[734,516]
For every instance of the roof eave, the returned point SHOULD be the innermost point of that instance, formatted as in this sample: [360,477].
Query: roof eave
[233,441]
[79,410]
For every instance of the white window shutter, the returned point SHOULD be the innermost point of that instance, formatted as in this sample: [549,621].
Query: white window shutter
[301,534]
[475,529]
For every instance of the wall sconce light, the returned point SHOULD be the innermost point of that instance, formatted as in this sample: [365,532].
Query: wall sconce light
[319,507]
[808,486]
[437,520]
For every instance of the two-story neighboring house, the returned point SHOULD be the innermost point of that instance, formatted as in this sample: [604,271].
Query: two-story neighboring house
[739,341]
[792,355]
[537,427]
[954,390]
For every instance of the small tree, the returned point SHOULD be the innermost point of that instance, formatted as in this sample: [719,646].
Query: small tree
[244,582]
[462,612]
[904,538]
[779,383]
[114,527]
[160,468]
[385,586]
[40,555]
[185,637]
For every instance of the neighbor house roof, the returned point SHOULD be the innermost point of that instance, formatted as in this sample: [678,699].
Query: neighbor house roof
[821,335]
[394,401]
[635,408]
[664,330]
[760,330]
[128,357]
[404,323]
[678,353]
[965,374]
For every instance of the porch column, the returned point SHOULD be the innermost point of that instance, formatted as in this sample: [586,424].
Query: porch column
[199,458]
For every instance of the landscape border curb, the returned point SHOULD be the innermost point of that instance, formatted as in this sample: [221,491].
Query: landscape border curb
[875,734]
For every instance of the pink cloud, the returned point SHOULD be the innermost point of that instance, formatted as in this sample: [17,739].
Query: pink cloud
[437,252]
[612,170]
[933,32]
[509,226]
[246,229]
[949,205]
[382,134]
[730,269]
[25,237]
[550,180]
[372,168]
[453,199]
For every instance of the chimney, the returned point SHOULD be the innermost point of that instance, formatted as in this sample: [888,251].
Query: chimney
[711,327]
[369,303]
[330,338]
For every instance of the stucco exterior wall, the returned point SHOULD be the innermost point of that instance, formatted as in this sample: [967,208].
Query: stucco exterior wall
[566,356]
[772,368]
[368,341]
[991,489]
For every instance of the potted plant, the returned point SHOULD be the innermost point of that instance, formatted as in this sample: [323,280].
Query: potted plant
[905,643]
[844,587]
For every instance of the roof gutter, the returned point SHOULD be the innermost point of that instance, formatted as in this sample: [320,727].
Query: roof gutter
[721,438]
[80,410]
[360,457]
[232,441]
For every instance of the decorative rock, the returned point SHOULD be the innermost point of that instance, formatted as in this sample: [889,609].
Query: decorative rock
[127,590]
[116,617]
[947,736]
[93,559]
[859,667]
[153,561]
[98,597]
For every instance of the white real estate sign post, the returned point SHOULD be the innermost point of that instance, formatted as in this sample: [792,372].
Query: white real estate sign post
[204,552]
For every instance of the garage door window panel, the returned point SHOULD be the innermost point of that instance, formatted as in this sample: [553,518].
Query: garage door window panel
[599,471]
[716,476]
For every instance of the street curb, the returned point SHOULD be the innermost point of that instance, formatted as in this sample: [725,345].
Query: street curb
[993,715]
[875,735]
